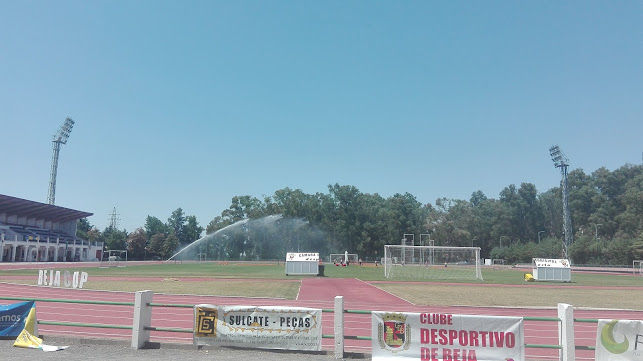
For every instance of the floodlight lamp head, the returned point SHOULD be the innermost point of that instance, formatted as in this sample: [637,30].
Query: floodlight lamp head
[557,156]
[63,132]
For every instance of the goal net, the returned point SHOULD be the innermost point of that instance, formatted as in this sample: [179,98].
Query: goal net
[114,258]
[339,258]
[432,262]
[637,266]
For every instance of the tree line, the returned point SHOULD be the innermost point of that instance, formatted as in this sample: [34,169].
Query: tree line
[521,223]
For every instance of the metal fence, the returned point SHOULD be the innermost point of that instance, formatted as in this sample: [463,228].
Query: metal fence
[143,306]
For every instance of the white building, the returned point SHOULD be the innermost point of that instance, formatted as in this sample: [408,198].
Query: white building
[39,232]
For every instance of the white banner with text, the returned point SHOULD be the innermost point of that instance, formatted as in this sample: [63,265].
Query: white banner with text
[289,328]
[446,337]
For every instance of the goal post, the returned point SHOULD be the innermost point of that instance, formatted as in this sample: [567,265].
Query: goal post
[432,262]
[498,263]
[339,257]
[637,267]
[113,258]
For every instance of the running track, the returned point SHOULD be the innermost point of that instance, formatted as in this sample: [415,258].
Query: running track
[314,293]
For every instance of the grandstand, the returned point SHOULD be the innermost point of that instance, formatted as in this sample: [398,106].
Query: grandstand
[39,232]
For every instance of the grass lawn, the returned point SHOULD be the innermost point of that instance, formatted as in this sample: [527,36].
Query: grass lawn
[501,287]
[537,296]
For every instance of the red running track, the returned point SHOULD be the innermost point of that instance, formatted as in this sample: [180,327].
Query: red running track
[314,293]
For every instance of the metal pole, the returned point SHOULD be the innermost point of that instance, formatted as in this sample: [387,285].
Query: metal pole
[422,240]
[422,256]
[567,218]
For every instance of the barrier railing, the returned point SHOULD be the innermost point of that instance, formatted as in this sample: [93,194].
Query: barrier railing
[143,305]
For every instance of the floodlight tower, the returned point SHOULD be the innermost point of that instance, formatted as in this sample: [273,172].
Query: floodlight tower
[59,138]
[561,161]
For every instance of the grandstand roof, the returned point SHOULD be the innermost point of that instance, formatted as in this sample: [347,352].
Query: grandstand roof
[31,209]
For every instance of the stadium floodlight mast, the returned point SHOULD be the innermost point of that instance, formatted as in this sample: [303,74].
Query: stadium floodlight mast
[561,161]
[59,138]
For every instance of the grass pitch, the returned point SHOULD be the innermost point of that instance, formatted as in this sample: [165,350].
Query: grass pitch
[501,287]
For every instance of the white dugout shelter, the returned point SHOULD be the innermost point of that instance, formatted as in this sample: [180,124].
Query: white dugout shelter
[546,269]
[302,264]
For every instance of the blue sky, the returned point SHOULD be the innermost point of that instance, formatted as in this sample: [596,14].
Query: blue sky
[189,103]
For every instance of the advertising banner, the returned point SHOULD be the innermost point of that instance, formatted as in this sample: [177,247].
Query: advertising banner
[299,257]
[289,328]
[446,337]
[13,317]
[619,340]
[548,262]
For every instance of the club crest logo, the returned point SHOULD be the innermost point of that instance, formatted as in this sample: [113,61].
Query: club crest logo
[394,334]
[206,322]
[608,341]
[564,262]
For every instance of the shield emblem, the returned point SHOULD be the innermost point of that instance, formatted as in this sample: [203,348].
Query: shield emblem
[394,333]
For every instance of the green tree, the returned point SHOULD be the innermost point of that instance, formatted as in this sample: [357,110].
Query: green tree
[192,230]
[450,222]
[136,244]
[216,224]
[170,246]
[631,219]
[94,235]
[115,239]
[176,222]
[477,198]
[82,228]
[551,205]
[483,225]
[292,203]
[607,203]
[157,245]
[154,226]
[529,212]
[244,207]
[618,252]
[586,250]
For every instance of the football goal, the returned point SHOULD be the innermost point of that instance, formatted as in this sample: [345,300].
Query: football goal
[498,263]
[339,258]
[637,266]
[431,262]
[114,258]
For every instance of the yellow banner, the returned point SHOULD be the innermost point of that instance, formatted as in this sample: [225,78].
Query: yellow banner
[28,338]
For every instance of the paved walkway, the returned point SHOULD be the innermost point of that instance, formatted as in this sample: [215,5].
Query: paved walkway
[121,352]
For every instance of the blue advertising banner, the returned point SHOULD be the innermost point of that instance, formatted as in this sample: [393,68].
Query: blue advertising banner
[13,317]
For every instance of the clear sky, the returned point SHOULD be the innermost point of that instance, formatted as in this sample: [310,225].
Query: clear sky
[189,103]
